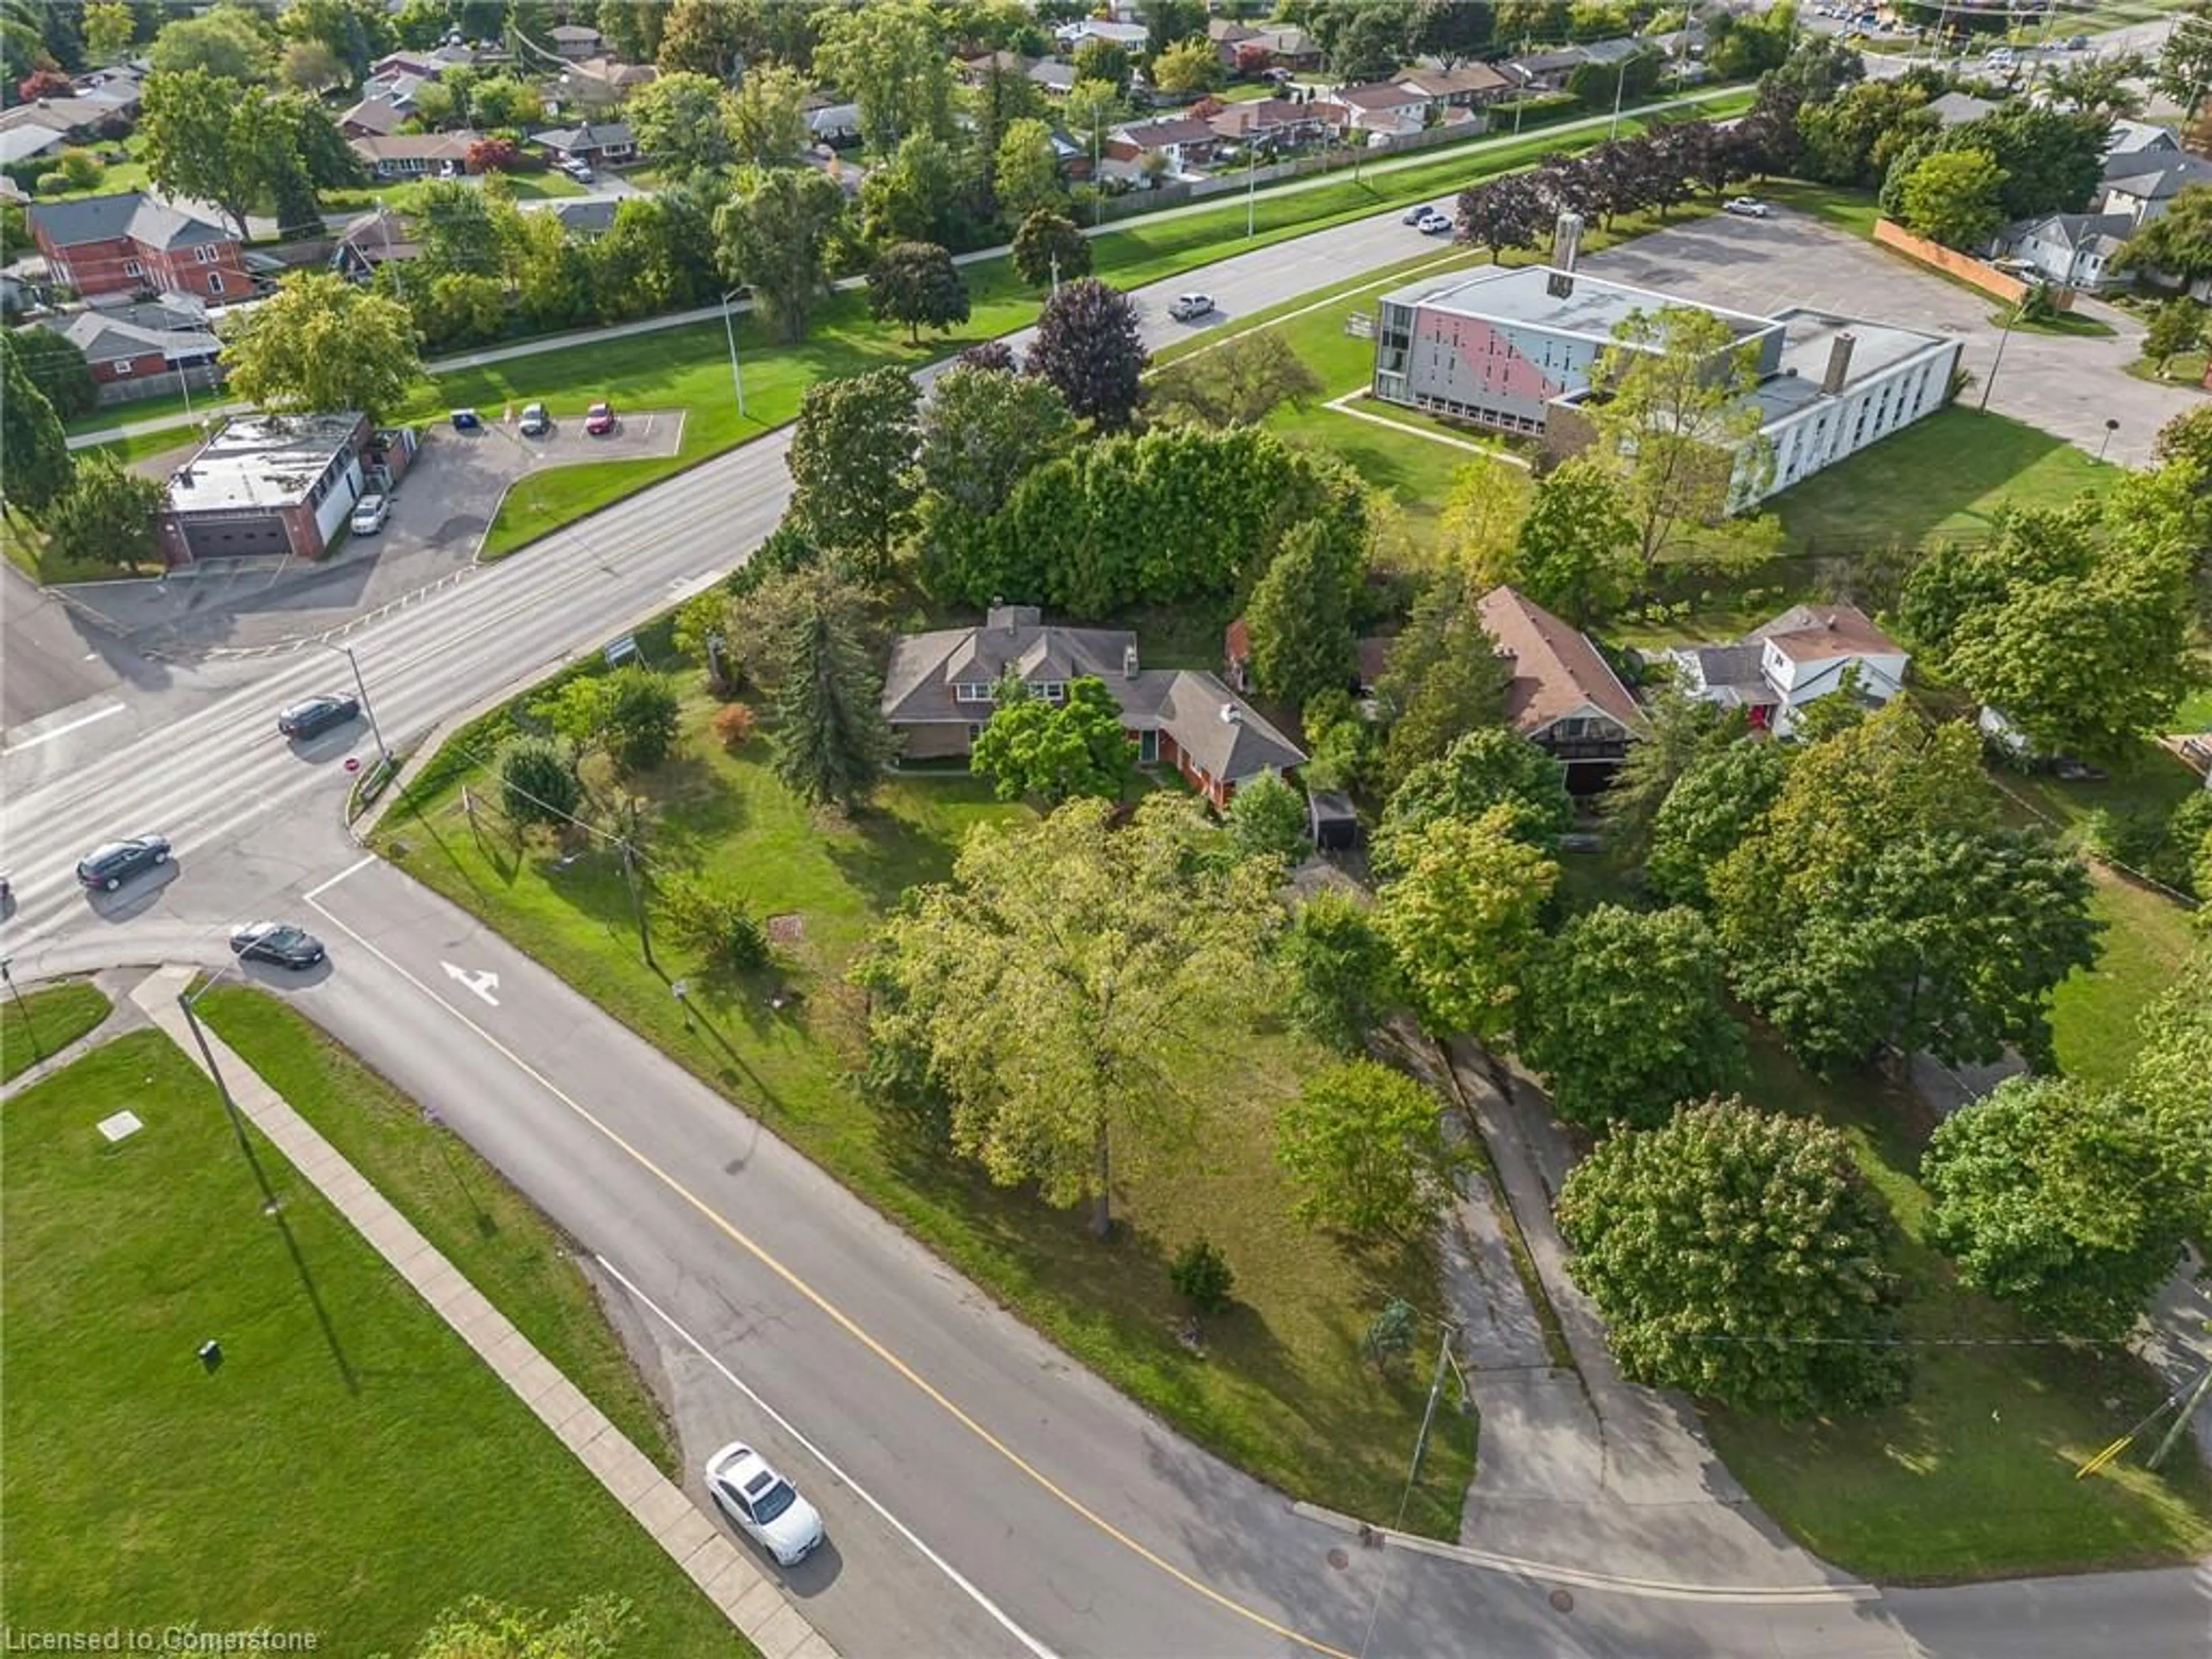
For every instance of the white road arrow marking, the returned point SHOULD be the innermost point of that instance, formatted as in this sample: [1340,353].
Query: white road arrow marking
[482,982]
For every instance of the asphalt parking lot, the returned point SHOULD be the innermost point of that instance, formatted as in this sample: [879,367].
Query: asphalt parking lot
[2066,385]
[440,512]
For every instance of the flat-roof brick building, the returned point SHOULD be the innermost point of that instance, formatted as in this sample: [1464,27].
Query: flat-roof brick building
[274,486]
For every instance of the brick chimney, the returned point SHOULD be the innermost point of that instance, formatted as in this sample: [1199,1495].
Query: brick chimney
[1839,363]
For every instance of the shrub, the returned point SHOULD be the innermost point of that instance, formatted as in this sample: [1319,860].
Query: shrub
[536,783]
[1390,1337]
[734,724]
[715,922]
[1202,1275]
[50,184]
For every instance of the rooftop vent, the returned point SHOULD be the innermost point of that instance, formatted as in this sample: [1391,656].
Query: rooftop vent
[1232,715]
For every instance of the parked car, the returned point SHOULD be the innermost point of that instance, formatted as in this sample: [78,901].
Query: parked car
[1437,224]
[536,422]
[764,1505]
[577,169]
[599,419]
[2001,54]
[1187,307]
[467,420]
[313,716]
[109,865]
[278,943]
[369,513]
[2077,43]
[1749,207]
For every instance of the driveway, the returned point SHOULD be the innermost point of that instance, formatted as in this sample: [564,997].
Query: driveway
[440,514]
[2069,385]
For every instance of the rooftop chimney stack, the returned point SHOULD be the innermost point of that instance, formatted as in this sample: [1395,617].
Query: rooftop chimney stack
[1128,662]
[1566,253]
[1839,363]
[1232,715]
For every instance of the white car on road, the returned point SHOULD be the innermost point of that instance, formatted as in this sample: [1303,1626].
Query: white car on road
[1749,207]
[766,1507]
[1189,308]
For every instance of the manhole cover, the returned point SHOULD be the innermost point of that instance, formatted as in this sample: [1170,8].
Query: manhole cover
[1564,1601]
[1338,1560]
[786,929]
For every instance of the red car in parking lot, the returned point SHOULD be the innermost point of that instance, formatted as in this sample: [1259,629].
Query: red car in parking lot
[599,420]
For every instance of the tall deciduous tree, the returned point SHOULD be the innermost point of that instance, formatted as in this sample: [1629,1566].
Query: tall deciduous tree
[766,117]
[1679,732]
[191,120]
[1443,678]
[917,283]
[1626,1017]
[681,121]
[983,429]
[1343,978]
[1715,801]
[57,368]
[773,235]
[1069,981]
[2170,1080]
[1267,818]
[852,464]
[2176,326]
[1026,173]
[1678,432]
[1492,766]
[110,26]
[39,468]
[226,43]
[319,344]
[1048,247]
[1738,1255]
[1575,552]
[1954,197]
[890,59]
[2061,1197]
[831,741]
[1461,921]
[1088,345]
[704,36]
[1245,378]
[1188,67]
[1505,212]
[105,516]
[2178,244]
[1054,751]
[2184,58]
[1365,1148]
[1300,616]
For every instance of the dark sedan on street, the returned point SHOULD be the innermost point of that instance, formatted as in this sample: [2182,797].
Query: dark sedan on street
[278,943]
[109,867]
[316,715]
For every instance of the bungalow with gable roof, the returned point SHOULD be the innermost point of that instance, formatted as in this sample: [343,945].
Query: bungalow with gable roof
[1467,86]
[1383,107]
[1563,696]
[938,695]
[1268,122]
[416,154]
[1805,653]
[1188,142]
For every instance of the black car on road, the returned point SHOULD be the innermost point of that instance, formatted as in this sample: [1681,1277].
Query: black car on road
[276,942]
[110,866]
[317,715]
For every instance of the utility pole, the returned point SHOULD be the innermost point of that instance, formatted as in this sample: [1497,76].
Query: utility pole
[362,686]
[16,991]
[630,881]
[1251,179]
[2197,1396]
[737,376]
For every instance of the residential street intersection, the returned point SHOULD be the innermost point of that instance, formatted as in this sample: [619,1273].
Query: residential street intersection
[988,1496]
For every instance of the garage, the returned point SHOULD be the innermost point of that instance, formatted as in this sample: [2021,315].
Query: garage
[233,536]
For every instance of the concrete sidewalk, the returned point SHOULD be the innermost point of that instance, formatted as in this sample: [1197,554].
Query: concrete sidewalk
[707,1555]
[1595,1468]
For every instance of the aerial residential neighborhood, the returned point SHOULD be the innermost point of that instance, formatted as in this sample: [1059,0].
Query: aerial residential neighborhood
[1151,828]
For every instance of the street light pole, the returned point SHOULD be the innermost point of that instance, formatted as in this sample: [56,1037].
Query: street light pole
[361,686]
[2110,427]
[1251,181]
[1989,385]
[16,991]
[737,376]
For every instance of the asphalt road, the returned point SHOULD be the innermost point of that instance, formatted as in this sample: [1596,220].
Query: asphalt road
[987,1496]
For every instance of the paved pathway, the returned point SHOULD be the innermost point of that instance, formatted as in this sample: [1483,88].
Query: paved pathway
[123,1015]
[706,1553]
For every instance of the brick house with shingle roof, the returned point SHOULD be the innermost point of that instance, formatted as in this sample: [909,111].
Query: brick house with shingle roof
[937,696]
[127,243]
[1563,695]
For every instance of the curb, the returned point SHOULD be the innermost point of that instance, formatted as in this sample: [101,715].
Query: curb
[753,1603]
[1657,1590]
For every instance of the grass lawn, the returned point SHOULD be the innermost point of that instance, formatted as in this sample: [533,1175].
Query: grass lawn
[2185,369]
[350,1467]
[457,1200]
[1854,211]
[1283,1391]
[2062,323]
[1972,1476]
[2093,1015]
[689,367]
[1948,474]
[170,407]
[45,1021]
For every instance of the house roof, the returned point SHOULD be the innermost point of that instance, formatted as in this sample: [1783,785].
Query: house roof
[104,337]
[380,115]
[1809,633]
[588,216]
[108,218]
[1010,62]
[1380,94]
[573,34]
[416,146]
[1729,674]
[1556,669]
[1443,83]
[2131,137]
[1955,109]
[2154,176]
[1227,31]
[592,135]
[62,115]
[1211,723]
[1260,115]
[2101,233]
[1122,34]
[1052,73]
[22,144]
[1167,130]
[615,72]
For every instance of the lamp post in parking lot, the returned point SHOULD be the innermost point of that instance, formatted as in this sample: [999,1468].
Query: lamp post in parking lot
[361,686]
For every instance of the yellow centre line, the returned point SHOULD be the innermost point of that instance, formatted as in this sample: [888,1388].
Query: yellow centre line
[845,1321]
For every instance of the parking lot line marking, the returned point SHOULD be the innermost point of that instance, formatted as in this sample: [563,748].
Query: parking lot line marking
[313,892]
[824,1458]
[837,1316]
